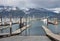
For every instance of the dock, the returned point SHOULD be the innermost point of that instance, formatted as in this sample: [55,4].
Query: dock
[2,27]
[20,30]
[53,23]
[50,34]
[26,38]
[15,32]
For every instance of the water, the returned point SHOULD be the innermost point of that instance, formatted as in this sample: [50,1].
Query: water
[7,30]
[54,28]
[15,27]
[35,29]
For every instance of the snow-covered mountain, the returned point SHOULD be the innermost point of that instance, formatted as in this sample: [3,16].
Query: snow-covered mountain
[15,11]
[10,10]
[56,10]
[7,8]
[40,12]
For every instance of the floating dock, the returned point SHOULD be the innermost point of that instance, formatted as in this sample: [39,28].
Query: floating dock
[20,30]
[15,32]
[2,27]
[50,34]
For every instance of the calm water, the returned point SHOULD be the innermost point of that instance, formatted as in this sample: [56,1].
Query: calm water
[7,30]
[34,29]
[54,28]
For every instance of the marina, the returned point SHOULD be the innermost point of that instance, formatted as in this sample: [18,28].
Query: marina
[35,28]
[29,20]
[50,34]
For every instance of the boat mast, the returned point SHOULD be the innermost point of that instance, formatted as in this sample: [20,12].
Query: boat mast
[1,18]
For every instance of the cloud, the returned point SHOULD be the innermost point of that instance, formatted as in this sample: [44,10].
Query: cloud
[47,3]
[32,3]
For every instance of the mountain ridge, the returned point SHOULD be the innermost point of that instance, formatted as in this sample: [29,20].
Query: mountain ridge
[15,11]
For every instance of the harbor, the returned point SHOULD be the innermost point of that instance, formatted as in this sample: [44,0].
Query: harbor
[32,28]
[29,20]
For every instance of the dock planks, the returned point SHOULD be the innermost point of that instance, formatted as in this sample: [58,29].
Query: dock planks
[49,33]
[19,30]
[15,32]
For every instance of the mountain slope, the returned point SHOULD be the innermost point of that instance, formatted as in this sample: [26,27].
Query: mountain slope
[40,12]
[8,10]
[15,12]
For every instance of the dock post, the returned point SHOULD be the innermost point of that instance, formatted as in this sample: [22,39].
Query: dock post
[10,26]
[26,25]
[20,24]
[1,19]
[47,22]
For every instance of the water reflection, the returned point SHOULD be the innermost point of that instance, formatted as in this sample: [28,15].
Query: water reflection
[54,28]
[35,29]
[7,30]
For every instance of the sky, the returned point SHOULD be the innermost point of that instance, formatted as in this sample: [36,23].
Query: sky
[32,3]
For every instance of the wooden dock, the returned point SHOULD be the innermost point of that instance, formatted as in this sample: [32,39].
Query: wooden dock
[19,30]
[50,34]
[26,38]
[15,32]
[2,27]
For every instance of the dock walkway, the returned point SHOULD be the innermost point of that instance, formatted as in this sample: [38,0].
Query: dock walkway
[15,32]
[52,35]
[3,27]
[19,30]
[26,38]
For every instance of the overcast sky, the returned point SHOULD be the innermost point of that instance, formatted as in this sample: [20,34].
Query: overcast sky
[32,3]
